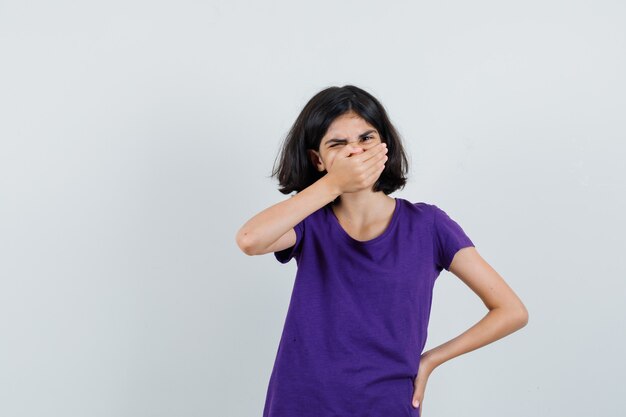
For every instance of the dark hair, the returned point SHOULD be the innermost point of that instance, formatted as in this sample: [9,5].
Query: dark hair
[296,172]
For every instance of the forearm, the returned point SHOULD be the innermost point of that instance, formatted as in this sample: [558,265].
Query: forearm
[269,225]
[497,323]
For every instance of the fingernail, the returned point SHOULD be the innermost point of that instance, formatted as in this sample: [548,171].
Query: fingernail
[416,403]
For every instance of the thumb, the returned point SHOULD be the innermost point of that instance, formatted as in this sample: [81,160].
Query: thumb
[415,400]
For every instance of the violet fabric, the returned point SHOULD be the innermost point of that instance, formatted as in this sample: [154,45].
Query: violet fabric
[358,316]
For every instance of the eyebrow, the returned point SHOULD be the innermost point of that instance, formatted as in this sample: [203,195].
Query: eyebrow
[362,135]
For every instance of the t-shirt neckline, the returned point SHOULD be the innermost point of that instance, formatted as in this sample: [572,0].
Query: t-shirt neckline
[350,239]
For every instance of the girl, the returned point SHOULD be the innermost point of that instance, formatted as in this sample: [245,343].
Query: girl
[357,321]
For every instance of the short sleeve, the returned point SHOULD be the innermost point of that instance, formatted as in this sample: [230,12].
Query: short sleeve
[285,255]
[449,238]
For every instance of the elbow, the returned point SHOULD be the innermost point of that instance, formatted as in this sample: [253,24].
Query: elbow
[521,316]
[245,243]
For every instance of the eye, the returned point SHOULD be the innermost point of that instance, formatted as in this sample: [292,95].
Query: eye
[365,139]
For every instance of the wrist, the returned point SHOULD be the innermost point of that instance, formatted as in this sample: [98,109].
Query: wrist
[330,186]
[429,361]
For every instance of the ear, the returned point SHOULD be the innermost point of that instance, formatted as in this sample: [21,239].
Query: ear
[316,160]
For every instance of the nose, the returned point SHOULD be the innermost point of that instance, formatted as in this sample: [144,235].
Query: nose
[356,148]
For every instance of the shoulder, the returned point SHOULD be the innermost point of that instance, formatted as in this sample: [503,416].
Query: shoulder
[426,213]
[422,209]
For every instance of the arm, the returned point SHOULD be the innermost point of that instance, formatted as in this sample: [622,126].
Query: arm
[272,229]
[506,315]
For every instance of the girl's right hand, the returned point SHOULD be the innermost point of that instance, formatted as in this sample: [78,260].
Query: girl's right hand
[354,169]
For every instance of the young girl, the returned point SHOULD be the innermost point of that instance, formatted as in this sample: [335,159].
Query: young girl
[357,321]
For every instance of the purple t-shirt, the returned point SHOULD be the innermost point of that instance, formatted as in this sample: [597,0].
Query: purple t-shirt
[358,315]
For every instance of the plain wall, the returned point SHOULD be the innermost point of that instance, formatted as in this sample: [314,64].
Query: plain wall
[136,137]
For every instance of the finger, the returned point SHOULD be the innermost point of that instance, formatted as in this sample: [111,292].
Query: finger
[373,173]
[416,403]
[418,397]
[376,151]
[377,158]
[375,165]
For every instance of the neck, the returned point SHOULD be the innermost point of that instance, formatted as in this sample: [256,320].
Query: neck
[363,206]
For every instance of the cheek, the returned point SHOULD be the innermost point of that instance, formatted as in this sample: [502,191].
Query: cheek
[332,156]
[328,159]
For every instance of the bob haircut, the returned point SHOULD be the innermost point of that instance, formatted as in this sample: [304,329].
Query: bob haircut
[296,171]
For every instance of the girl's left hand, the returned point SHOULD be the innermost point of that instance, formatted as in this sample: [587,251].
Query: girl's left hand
[419,385]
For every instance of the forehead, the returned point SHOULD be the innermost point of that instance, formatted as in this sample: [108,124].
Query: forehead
[348,123]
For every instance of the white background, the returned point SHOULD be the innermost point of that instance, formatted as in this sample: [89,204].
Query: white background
[136,137]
